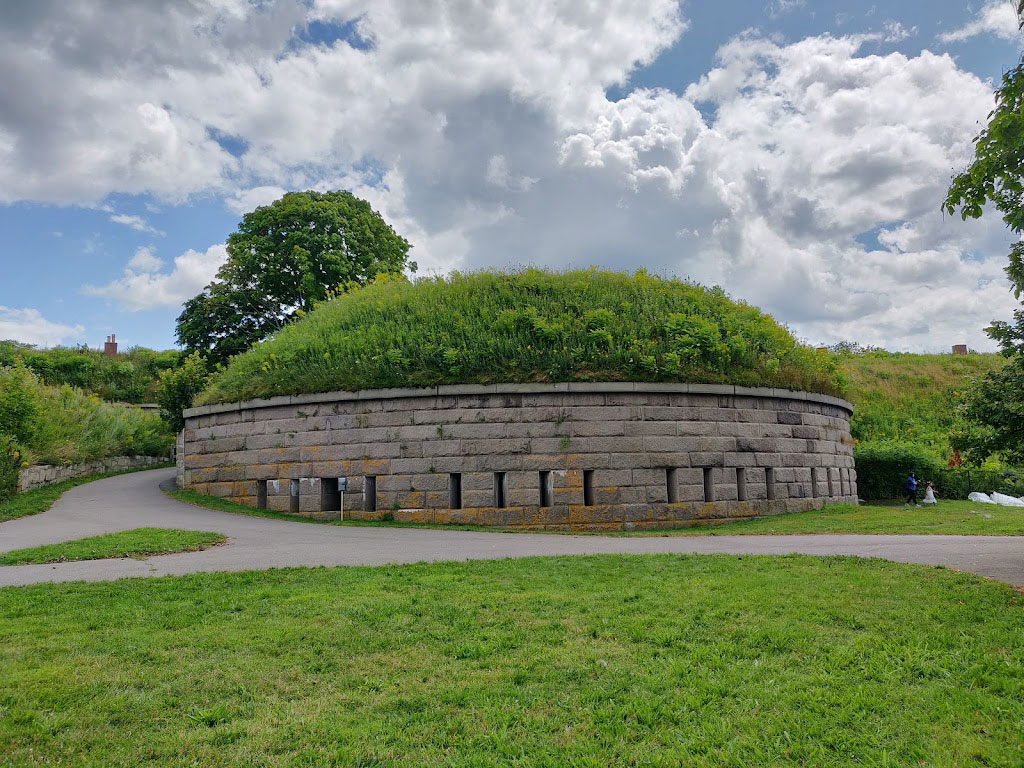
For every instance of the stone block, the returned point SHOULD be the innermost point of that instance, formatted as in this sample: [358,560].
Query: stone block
[596,428]
[535,429]
[707,459]
[492,447]
[476,431]
[697,428]
[740,459]
[442,448]
[670,413]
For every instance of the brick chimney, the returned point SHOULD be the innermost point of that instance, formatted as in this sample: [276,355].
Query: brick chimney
[110,346]
[959,349]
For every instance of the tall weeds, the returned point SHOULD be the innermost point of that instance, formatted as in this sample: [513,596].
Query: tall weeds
[62,425]
[532,325]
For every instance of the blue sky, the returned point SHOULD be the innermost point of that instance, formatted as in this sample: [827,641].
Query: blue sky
[553,137]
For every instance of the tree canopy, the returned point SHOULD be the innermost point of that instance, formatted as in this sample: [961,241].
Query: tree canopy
[284,258]
[995,406]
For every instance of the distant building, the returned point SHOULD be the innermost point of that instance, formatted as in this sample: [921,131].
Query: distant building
[959,349]
[110,346]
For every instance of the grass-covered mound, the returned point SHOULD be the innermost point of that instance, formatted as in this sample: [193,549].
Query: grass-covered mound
[532,325]
[910,398]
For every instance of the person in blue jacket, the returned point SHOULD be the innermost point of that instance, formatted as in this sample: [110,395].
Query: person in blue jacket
[911,489]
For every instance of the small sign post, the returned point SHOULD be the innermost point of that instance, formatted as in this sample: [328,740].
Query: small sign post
[342,487]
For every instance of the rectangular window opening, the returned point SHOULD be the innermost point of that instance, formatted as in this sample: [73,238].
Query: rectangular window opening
[370,493]
[671,485]
[709,484]
[831,485]
[500,489]
[455,490]
[814,482]
[741,483]
[588,487]
[293,496]
[545,488]
[261,494]
[330,495]
[769,482]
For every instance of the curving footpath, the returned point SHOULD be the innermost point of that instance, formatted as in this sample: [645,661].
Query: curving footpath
[135,501]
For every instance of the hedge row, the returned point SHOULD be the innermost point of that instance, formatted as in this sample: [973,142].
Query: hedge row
[882,470]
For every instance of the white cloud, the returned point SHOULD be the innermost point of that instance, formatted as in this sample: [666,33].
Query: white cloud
[145,260]
[996,17]
[144,286]
[245,200]
[137,223]
[808,182]
[812,148]
[27,325]
[895,32]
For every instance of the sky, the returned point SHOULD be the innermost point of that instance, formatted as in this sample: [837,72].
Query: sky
[795,152]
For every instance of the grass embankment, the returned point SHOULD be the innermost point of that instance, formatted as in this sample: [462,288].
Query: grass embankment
[947,517]
[137,543]
[532,325]
[910,398]
[666,660]
[41,499]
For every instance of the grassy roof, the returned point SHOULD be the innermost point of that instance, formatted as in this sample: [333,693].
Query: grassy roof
[532,325]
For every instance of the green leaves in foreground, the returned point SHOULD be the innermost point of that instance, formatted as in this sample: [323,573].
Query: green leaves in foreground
[138,542]
[573,661]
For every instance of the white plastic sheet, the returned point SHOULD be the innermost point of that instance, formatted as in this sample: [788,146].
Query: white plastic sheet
[1006,501]
[979,498]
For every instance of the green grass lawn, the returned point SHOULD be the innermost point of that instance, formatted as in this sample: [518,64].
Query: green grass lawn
[138,542]
[596,661]
[41,499]
[947,517]
[950,517]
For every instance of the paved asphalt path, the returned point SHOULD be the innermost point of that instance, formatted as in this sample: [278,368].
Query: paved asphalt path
[135,501]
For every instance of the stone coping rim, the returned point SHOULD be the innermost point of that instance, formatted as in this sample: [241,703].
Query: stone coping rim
[519,389]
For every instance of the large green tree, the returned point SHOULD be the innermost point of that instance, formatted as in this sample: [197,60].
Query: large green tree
[284,258]
[995,406]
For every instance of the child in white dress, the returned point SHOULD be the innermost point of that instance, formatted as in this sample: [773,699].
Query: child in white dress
[929,494]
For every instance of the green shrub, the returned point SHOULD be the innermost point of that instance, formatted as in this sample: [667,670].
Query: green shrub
[130,376]
[179,387]
[19,402]
[882,468]
[532,325]
[62,425]
[957,483]
[12,460]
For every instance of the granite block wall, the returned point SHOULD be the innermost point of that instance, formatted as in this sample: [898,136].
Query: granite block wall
[578,456]
[39,475]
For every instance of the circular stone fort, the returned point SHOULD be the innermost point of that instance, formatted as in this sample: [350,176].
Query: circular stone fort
[533,400]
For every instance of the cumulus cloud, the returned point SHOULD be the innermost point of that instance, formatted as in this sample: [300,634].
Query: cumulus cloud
[804,177]
[28,325]
[145,260]
[996,17]
[785,196]
[137,223]
[144,286]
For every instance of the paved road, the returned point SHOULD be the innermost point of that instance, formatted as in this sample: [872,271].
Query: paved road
[134,500]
